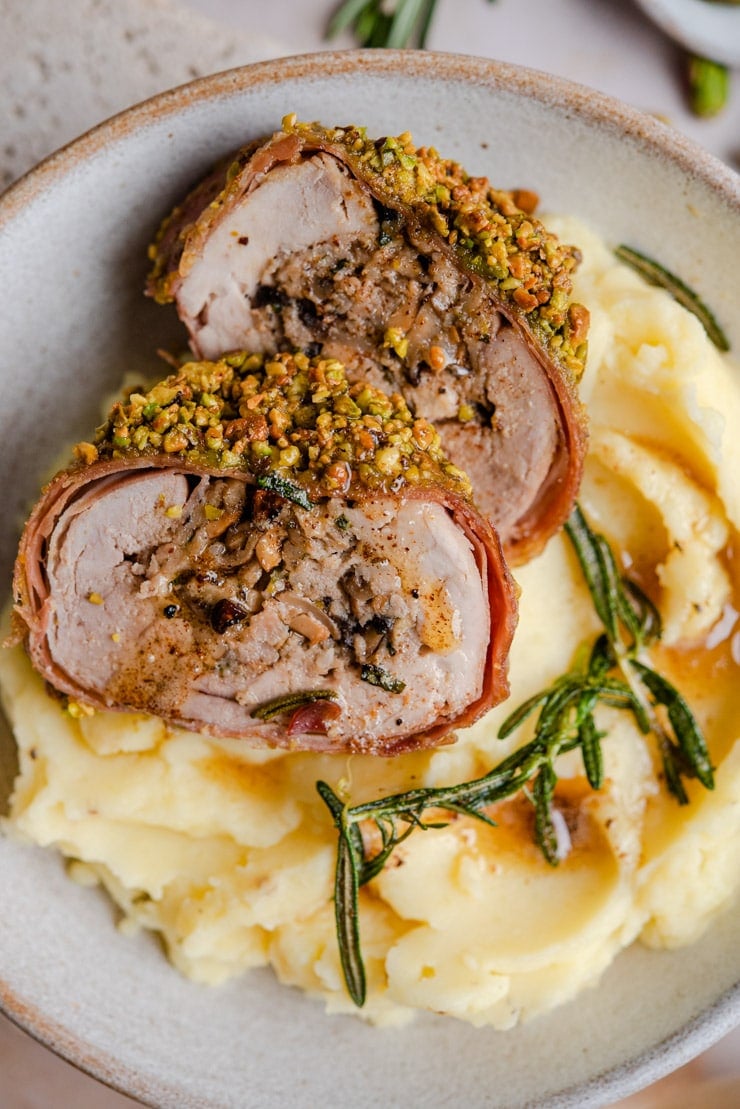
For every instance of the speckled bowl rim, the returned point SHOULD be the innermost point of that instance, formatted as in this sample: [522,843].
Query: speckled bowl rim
[591,107]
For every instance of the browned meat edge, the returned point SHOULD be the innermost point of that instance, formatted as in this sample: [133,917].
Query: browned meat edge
[34,605]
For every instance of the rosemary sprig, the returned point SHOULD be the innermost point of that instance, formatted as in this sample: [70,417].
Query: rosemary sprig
[377,23]
[681,744]
[290,701]
[613,674]
[656,274]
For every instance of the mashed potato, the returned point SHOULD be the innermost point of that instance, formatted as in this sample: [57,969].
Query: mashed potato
[229,853]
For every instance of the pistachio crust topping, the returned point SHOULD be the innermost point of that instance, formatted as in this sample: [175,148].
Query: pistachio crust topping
[492,234]
[293,422]
[492,231]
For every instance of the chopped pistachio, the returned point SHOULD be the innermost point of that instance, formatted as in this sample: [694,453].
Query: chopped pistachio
[387,460]
[395,339]
[175,441]
[294,423]
[291,701]
[290,456]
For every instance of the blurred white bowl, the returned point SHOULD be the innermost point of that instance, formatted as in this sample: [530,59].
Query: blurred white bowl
[72,262]
[711,30]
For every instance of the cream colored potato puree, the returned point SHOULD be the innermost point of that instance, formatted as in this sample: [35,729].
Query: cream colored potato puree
[229,853]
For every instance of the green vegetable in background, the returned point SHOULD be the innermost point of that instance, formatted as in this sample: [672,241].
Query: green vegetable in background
[384,23]
[709,86]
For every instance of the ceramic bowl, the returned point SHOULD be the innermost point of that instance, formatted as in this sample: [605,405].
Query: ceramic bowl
[73,238]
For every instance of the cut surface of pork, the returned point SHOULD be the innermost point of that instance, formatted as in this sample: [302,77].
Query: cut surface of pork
[258,549]
[417,277]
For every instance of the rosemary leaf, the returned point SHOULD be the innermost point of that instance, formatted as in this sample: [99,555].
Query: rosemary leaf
[602,658]
[518,716]
[346,897]
[555,711]
[656,274]
[469,797]
[648,617]
[290,701]
[590,554]
[617,600]
[285,488]
[542,795]
[590,738]
[347,915]
[672,773]
[686,730]
[391,839]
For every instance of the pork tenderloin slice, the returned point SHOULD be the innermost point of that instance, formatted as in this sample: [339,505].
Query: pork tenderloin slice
[93,564]
[423,618]
[258,548]
[297,207]
[360,270]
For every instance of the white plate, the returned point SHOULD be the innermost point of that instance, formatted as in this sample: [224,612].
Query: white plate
[73,238]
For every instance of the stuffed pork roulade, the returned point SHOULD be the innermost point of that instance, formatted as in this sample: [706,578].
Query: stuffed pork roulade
[413,274]
[254,548]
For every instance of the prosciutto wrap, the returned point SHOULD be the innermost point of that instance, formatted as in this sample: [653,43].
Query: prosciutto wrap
[416,276]
[255,548]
